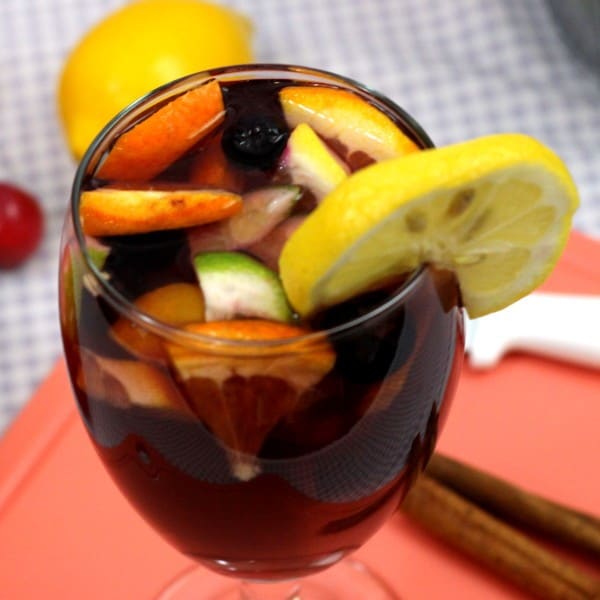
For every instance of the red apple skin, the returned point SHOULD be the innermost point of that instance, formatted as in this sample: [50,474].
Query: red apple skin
[21,225]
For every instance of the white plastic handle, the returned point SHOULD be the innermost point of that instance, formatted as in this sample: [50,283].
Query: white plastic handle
[560,326]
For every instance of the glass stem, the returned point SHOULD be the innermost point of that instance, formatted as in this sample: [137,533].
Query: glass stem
[280,590]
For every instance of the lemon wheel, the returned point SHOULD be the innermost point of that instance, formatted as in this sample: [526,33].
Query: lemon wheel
[496,211]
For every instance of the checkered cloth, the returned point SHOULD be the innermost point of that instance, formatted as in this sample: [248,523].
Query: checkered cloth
[463,68]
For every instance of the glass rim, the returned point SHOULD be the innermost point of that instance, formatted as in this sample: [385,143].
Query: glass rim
[127,308]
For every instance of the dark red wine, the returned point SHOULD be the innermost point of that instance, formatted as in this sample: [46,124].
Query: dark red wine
[261,463]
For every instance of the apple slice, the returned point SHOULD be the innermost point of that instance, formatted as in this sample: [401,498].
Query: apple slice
[109,211]
[345,117]
[236,285]
[268,249]
[262,210]
[153,144]
[128,382]
[174,304]
[311,163]
[241,393]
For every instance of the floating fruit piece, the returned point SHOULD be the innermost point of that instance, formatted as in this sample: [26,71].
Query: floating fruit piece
[153,144]
[268,249]
[255,141]
[21,225]
[311,163]
[110,211]
[496,211]
[127,382]
[174,304]
[212,169]
[236,285]
[312,358]
[241,392]
[343,116]
[262,210]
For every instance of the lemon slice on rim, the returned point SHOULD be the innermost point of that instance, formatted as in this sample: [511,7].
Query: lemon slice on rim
[495,210]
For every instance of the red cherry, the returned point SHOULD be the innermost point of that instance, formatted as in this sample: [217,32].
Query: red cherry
[21,225]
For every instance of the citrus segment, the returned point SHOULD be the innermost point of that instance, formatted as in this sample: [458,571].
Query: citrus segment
[496,211]
[110,211]
[311,163]
[173,304]
[242,393]
[313,358]
[345,117]
[156,142]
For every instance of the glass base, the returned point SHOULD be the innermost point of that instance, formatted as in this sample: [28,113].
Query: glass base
[347,580]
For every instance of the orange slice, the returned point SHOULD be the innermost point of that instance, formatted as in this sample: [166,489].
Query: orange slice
[174,304]
[312,358]
[345,117]
[110,211]
[241,395]
[156,142]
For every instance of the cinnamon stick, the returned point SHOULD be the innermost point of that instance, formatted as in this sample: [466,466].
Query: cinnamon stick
[491,542]
[558,522]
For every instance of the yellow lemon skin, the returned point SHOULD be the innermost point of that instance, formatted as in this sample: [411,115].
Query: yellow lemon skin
[496,211]
[144,45]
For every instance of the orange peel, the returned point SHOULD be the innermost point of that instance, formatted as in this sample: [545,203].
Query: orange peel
[110,211]
[153,144]
[345,117]
[174,304]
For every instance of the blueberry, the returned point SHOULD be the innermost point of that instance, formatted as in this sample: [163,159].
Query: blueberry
[255,141]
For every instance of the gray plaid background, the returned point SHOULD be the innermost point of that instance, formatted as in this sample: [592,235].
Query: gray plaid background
[463,68]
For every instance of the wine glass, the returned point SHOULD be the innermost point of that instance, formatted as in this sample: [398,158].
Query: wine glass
[267,460]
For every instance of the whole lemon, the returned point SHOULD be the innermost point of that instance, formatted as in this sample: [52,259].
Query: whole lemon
[139,47]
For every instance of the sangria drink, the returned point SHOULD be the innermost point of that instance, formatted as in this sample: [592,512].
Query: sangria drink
[263,441]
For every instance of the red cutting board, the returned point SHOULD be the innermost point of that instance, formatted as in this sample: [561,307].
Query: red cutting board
[66,532]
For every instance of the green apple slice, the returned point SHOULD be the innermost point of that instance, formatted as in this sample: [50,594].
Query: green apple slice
[236,285]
